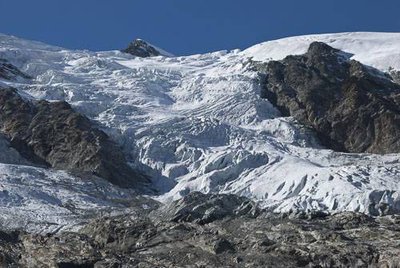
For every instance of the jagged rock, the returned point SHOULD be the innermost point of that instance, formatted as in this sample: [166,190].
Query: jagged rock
[141,48]
[350,220]
[53,134]
[205,208]
[122,233]
[49,251]
[266,241]
[352,107]
[10,72]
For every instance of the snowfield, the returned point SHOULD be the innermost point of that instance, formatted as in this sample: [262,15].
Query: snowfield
[194,123]
[379,50]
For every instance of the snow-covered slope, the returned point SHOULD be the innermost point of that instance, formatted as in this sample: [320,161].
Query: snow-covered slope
[197,123]
[380,50]
[41,200]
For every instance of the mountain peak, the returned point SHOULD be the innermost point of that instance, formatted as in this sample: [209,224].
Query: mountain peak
[143,49]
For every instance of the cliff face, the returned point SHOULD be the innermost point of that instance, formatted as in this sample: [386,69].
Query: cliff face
[352,107]
[10,72]
[53,134]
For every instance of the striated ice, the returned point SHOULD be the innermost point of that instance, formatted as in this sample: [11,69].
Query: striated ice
[197,123]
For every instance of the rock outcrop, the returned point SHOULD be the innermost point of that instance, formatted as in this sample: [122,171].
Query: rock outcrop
[53,134]
[205,208]
[342,240]
[352,107]
[141,48]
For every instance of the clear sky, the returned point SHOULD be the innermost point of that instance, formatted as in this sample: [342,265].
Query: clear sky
[189,26]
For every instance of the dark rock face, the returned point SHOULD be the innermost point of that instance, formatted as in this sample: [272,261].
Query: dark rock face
[140,48]
[53,134]
[352,107]
[341,240]
[9,71]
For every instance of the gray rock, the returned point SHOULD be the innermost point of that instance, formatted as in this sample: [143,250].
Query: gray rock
[352,107]
[205,208]
[10,72]
[222,245]
[53,134]
[266,241]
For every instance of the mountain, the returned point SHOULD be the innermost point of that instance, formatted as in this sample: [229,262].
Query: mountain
[351,106]
[210,123]
[143,49]
[52,134]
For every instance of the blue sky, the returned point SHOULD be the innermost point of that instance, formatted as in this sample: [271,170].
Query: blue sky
[189,26]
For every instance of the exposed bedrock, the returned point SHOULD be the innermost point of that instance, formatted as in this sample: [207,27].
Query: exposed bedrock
[141,48]
[352,107]
[395,74]
[10,72]
[53,134]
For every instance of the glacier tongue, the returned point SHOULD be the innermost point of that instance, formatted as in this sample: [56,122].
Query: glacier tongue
[197,123]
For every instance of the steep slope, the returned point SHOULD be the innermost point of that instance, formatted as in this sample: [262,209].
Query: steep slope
[10,72]
[352,107]
[53,134]
[379,50]
[141,48]
[198,123]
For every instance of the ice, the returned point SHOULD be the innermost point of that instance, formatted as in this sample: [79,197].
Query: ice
[379,50]
[197,123]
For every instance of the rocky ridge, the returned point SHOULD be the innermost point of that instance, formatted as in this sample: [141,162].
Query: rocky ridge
[352,107]
[53,134]
[10,72]
[141,48]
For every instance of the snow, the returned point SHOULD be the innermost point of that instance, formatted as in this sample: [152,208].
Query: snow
[162,51]
[379,50]
[197,123]
[41,200]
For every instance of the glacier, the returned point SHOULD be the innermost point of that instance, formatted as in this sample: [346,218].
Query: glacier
[192,123]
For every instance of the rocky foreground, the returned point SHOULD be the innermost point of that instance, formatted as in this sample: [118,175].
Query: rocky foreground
[220,231]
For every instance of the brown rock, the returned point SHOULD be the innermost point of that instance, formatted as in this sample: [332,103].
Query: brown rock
[53,134]
[352,107]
